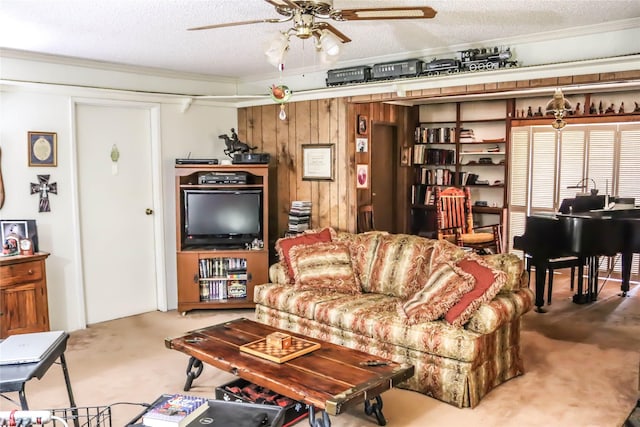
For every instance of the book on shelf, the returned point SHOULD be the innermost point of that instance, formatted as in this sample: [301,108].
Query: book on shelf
[174,410]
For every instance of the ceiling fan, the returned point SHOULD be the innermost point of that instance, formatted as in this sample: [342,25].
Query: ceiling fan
[304,15]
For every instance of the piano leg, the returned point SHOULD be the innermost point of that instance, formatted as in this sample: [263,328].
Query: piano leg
[579,297]
[590,292]
[541,278]
[626,272]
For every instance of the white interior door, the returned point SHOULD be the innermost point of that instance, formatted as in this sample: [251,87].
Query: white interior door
[117,232]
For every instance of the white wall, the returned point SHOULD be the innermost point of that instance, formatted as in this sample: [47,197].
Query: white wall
[48,108]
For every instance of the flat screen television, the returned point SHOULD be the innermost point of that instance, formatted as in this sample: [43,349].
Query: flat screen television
[219,218]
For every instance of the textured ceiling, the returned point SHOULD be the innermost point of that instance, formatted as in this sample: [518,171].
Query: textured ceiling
[152,33]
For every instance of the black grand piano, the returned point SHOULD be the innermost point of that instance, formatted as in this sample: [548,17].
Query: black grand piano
[584,233]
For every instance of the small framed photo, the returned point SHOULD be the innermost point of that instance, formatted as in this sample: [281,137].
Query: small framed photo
[12,233]
[43,148]
[362,125]
[317,162]
[362,176]
[362,145]
[20,229]
[405,156]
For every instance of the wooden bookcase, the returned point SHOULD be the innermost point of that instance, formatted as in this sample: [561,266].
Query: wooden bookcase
[444,154]
[210,278]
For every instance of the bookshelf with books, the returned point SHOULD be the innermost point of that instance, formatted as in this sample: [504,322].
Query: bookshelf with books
[474,135]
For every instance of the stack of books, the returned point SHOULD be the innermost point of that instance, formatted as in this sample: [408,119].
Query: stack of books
[467,135]
[299,216]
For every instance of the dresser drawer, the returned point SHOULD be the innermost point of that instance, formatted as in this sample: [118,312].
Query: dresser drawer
[21,273]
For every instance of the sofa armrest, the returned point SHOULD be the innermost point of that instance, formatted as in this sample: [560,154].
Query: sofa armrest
[517,276]
[278,273]
[501,310]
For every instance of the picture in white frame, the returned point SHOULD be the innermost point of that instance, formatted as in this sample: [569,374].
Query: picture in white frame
[362,176]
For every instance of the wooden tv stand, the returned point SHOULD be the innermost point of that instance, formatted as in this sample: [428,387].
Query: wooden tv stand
[215,278]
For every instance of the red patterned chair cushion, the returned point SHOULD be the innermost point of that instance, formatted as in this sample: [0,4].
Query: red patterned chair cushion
[326,265]
[445,286]
[401,265]
[284,245]
[487,285]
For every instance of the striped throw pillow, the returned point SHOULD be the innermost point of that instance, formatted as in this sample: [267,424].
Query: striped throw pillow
[324,265]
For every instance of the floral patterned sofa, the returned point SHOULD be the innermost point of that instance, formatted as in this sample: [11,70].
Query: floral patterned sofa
[454,315]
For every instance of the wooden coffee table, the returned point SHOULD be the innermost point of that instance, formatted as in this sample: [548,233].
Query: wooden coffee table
[330,379]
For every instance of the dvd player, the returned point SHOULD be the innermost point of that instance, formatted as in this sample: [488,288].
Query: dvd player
[223,178]
[196,161]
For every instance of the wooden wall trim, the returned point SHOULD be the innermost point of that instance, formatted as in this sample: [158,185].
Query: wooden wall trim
[621,76]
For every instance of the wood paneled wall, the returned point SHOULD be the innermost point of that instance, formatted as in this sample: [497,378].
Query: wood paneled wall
[323,121]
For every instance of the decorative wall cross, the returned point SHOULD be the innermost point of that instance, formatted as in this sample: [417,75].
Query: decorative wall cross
[44,188]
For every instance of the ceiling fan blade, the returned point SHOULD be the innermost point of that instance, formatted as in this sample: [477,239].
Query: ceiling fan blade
[283,3]
[326,26]
[232,24]
[388,13]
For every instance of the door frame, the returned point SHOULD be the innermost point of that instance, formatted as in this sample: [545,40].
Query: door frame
[157,197]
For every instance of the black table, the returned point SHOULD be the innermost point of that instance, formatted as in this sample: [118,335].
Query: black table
[14,377]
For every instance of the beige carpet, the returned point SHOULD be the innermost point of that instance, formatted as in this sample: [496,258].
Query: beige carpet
[581,362]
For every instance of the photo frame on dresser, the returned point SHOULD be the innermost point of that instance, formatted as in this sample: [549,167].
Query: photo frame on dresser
[23,228]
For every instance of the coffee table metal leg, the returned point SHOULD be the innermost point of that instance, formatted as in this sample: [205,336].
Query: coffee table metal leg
[374,407]
[318,422]
[194,369]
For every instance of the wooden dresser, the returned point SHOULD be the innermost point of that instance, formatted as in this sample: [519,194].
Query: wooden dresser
[23,294]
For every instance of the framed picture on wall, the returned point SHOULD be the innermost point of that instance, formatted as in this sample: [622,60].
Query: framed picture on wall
[362,125]
[43,148]
[317,162]
[362,176]
[362,145]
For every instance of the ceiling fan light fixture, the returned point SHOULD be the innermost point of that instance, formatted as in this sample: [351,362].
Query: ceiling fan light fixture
[559,106]
[277,49]
[329,44]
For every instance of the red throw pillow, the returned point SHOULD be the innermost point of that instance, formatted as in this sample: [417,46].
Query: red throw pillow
[488,284]
[284,245]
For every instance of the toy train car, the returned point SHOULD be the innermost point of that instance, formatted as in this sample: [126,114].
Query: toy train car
[343,76]
[439,66]
[397,69]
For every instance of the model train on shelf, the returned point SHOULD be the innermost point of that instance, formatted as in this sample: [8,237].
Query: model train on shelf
[470,60]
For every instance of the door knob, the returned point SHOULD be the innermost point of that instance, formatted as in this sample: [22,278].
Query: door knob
[148,211]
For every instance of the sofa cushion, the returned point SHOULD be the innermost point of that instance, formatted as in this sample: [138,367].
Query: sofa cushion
[401,265]
[284,245]
[326,265]
[363,247]
[487,285]
[376,316]
[286,298]
[445,286]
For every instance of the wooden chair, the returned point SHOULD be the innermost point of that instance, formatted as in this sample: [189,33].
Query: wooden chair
[454,219]
[365,218]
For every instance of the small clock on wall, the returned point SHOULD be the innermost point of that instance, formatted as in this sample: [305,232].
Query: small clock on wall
[26,247]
